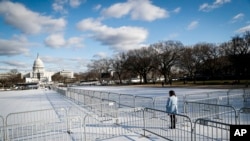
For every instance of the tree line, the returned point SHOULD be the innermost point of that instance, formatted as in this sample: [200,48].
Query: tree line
[171,59]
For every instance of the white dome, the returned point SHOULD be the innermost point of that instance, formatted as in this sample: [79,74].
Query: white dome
[38,64]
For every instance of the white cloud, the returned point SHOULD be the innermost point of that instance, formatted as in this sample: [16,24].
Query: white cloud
[59,5]
[75,3]
[205,7]
[177,10]
[97,7]
[13,47]
[237,17]
[121,38]
[137,9]
[101,55]
[243,29]
[172,36]
[75,41]
[54,63]
[57,41]
[29,22]
[192,25]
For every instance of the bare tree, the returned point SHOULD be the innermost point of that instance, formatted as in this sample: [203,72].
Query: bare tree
[14,77]
[140,62]
[187,62]
[238,54]
[202,53]
[117,65]
[168,53]
[212,54]
[99,66]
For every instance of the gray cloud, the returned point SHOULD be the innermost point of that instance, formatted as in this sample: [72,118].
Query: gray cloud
[27,21]
[13,47]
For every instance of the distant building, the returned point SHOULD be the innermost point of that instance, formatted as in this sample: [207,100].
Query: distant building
[38,74]
[4,75]
[67,74]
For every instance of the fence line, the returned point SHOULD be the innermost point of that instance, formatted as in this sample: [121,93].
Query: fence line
[210,100]
[83,124]
[33,116]
[1,128]
[158,122]
[225,97]
[78,124]
[205,95]
[125,121]
[49,129]
[244,116]
[215,115]
[215,112]
[205,130]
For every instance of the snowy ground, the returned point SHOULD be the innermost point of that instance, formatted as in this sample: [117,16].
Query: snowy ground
[149,91]
[30,100]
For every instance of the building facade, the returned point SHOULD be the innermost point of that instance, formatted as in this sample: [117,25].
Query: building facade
[39,74]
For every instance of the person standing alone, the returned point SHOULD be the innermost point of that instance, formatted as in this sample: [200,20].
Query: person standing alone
[172,108]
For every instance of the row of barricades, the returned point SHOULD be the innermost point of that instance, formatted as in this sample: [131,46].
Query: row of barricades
[71,123]
[235,97]
[208,107]
[204,111]
[78,124]
[100,121]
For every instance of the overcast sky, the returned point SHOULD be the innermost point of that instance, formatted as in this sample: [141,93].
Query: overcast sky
[67,34]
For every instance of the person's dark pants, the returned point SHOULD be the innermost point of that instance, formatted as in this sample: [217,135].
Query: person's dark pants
[173,121]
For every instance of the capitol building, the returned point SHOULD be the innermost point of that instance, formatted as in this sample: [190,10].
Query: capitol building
[39,74]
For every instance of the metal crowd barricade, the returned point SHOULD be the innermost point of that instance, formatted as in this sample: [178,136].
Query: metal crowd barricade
[244,116]
[126,100]
[143,101]
[113,114]
[247,97]
[105,108]
[103,127]
[235,100]
[62,91]
[205,95]
[2,128]
[47,124]
[214,112]
[158,122]
[114,97]
[247,93]
[49,129]
[160,102]
[211,130]
[33,116]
